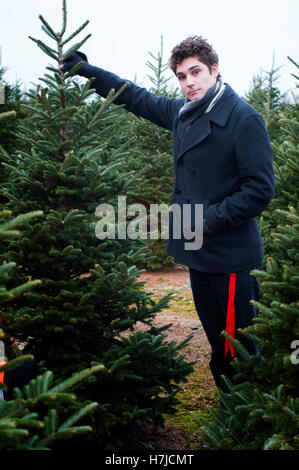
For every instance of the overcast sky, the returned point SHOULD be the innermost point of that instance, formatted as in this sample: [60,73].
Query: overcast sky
[244,33]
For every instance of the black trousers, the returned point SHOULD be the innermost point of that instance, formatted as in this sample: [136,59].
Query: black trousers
[218,297]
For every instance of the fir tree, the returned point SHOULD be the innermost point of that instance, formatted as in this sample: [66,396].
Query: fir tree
[266,97]
[285,149]
[11,98]
[89,293]
[261,407]
[150,158]
[30,419]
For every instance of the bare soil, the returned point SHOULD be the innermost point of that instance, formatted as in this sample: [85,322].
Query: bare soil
[182,315]
[181,312]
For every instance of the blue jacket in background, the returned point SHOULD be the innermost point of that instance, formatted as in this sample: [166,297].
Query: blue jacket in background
[223,161]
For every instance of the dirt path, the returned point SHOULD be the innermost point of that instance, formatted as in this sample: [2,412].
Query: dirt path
[181,312]
[181,431]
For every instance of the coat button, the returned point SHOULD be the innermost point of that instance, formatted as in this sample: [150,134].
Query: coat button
[177,191]
[192,170]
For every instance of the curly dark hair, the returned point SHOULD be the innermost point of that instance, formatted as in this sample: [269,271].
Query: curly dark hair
[193,46]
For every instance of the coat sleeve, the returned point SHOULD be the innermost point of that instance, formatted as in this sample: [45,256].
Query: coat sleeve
[160,110]
[255,166]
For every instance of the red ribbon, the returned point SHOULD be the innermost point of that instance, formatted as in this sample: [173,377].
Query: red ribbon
[230,316]
[2,363]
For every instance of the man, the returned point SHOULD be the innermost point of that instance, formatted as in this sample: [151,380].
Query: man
[222,160]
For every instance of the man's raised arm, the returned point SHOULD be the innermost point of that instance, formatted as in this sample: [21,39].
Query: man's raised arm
[160,110]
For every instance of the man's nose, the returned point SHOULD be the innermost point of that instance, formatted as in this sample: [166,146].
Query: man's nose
[189,80]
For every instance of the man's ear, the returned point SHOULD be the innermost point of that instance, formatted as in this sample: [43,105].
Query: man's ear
[214,71]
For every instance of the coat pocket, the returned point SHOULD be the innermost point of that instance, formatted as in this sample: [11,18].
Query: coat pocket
[193,214]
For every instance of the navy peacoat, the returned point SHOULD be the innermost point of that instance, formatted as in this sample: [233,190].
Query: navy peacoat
[223,161]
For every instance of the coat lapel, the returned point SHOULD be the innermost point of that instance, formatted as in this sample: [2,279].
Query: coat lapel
[200,129]
[194,135]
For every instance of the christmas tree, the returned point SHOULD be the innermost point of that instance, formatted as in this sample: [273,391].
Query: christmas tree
[260,410]
[23,426]
[12,97]
[149,157]
[266,97]
[284,143]
[10,100]
[89,294]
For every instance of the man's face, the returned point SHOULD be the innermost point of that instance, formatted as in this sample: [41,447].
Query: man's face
[195,78]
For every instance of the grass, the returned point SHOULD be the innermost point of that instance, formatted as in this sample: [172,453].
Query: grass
[196,396]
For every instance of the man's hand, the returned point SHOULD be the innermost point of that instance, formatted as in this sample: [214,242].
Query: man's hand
[72,60]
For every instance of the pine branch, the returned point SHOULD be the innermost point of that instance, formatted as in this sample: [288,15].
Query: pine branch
[64,18]
[75,33]
[46,49]
[75,48]
[47,28]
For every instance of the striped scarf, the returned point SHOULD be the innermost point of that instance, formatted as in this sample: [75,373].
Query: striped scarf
[192,110]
